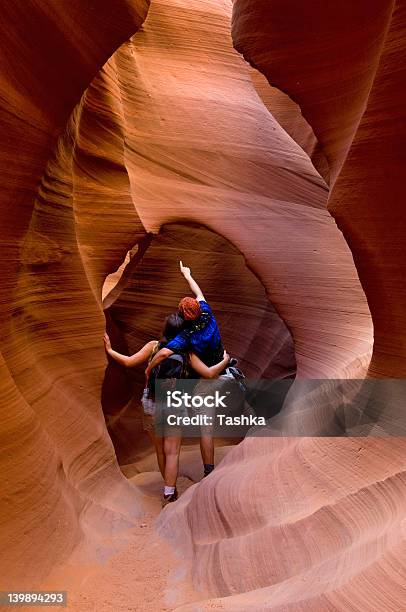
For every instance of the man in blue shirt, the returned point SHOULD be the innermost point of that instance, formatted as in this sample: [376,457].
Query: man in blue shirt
[201,333]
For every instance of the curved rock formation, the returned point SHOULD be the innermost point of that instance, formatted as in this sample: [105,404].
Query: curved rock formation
[350,103]
[205,149]
[172,131]
[321,55]
[251,329]
[331,534]
[279,527]
[288,114]
[54,443]
[367,203]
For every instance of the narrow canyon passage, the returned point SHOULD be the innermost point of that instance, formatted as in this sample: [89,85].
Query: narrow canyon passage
[250,139]
[252,330]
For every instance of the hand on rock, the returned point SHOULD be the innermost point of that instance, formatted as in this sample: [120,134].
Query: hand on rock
[107,343]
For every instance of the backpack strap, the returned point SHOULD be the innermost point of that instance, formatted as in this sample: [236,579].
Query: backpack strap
[183,360]
[176,357]
[154,351]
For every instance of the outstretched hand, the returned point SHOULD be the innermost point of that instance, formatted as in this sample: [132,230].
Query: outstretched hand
[226,355]
[107,343]
[184,270]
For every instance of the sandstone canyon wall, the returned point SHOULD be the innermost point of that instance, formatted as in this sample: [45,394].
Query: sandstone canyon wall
[251,329]
[351,104]
[201,147]
[172,134]
[343,64]
[53,437]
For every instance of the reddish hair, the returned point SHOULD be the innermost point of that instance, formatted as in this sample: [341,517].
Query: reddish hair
[189,308]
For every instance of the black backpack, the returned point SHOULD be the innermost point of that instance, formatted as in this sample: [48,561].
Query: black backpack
[171,368]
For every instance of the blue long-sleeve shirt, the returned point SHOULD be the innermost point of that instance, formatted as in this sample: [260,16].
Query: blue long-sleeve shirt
[201,337]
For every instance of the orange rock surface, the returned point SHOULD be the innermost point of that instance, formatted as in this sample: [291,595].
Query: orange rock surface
[347,96]
[330,532]
[179,147]
[56,456]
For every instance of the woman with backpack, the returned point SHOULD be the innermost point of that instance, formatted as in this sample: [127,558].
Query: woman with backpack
[175,366]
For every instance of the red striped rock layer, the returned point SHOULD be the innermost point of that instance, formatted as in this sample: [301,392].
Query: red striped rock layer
[298,524]
[53,439]
[202,147]
[318,523]
[344,66]
[172,130]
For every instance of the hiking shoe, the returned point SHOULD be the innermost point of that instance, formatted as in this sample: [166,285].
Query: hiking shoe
[168,499]
[208,472]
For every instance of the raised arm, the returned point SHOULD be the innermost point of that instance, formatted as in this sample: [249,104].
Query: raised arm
[130,361]
[192,283]
[205,371]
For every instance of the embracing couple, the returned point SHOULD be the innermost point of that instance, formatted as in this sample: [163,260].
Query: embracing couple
[191,347]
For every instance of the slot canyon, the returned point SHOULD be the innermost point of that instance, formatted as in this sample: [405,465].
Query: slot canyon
[262,142]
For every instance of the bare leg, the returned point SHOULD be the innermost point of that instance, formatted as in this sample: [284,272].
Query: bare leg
[207,446]
[158,443]
[202,389]
[171,449]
